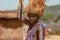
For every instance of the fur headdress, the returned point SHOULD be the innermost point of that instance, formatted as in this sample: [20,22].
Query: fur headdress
[36,6]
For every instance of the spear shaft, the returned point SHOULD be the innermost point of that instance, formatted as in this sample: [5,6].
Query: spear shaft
[21,9]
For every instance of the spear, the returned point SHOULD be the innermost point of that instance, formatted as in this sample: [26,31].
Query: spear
[21,2]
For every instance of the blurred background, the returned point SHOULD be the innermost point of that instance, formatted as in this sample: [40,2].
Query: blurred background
[51,15]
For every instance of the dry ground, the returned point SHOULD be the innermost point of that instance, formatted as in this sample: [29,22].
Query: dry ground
[10,34]
[15,34]
[53,37]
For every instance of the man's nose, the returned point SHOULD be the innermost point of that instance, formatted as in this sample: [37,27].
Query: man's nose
[31,18]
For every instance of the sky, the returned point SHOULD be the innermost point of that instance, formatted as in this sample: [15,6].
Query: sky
[13,4]
[53,2]
[8,4]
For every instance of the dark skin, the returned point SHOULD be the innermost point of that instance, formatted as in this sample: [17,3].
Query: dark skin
[33,19]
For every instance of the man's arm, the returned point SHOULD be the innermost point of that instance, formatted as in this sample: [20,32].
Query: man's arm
[46,31]
[40,32]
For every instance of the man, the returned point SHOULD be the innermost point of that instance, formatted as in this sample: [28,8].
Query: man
[34,10]
[36,29]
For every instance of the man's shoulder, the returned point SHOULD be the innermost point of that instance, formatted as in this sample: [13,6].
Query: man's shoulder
[40,23]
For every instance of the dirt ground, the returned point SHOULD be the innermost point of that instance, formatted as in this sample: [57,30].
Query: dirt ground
[10,34]
[53,37]
[15,34]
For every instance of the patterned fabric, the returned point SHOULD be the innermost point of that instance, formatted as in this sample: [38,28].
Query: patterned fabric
[32,32]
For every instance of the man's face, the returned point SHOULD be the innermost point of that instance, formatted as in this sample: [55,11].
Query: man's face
[33,18]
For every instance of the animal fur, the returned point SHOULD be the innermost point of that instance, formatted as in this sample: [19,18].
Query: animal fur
[36,6]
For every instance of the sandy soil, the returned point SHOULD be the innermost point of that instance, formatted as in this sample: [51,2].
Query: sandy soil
[15,34]
[10,34]
[53,37]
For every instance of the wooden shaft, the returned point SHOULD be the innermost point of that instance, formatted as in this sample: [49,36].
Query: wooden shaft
[21,9]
